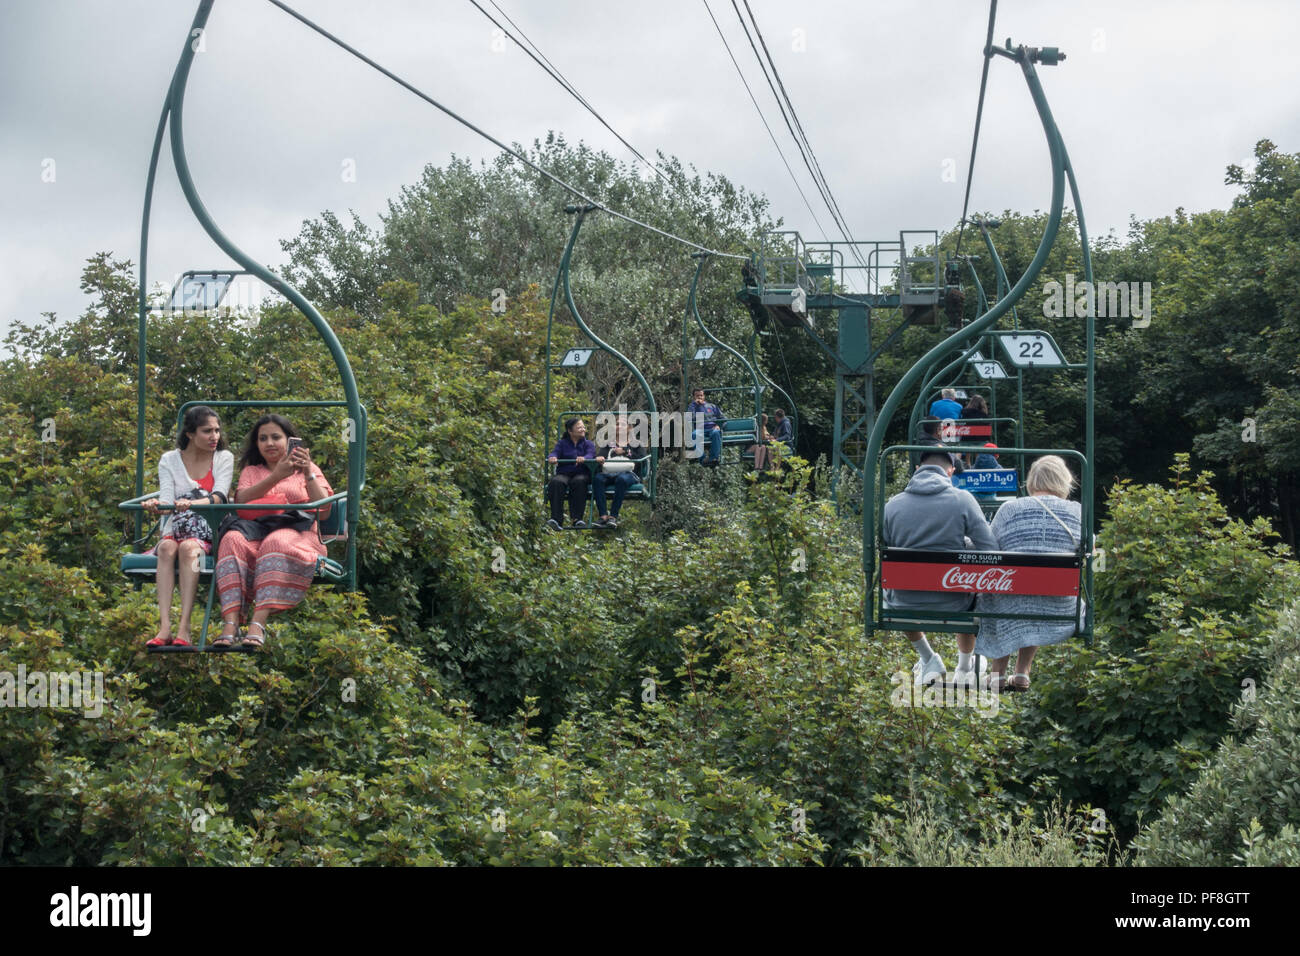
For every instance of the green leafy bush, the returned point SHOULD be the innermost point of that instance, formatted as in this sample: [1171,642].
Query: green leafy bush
[1130,722]
[1244,806]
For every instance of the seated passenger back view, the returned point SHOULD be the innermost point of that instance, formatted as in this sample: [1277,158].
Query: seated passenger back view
[931,515]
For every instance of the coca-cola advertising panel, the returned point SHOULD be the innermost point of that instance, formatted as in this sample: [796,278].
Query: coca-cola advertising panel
[966,430]
[980,572]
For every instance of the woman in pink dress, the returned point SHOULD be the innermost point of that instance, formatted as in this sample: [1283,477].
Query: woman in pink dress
[267,559]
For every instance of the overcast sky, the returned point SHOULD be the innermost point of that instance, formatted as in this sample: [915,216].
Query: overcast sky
[1154,100]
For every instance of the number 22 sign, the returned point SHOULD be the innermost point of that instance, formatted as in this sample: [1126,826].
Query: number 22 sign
[1031,348]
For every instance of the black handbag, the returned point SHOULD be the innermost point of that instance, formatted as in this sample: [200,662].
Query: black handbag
[191,524]
[255,529]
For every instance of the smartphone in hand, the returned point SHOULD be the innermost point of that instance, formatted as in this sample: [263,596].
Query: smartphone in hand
[294,443]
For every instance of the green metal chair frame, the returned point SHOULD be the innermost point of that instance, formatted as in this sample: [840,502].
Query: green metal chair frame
[172,120]
[966,339]
[637,492]
[562,281]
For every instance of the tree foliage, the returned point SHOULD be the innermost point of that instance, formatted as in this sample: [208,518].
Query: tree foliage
[695,688]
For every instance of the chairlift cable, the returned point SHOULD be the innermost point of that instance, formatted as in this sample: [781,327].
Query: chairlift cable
[761,116]
[979,112]
[538,57]
[492,139]
[800,137]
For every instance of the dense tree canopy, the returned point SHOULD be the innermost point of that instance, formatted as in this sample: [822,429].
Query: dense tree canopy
[696,687]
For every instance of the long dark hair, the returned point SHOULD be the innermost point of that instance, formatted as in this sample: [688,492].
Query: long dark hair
[193,421]
[976,405]
[250,454]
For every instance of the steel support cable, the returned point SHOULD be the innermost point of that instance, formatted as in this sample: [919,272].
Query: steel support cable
[541,60]
[754,100]
[492,139]
[781,106]
[979,112]
[800,137]
[781,349]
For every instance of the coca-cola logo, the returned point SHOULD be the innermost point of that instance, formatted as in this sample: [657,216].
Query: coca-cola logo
[986,580]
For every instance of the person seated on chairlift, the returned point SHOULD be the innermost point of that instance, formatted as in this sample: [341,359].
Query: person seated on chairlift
[947,406]
[930,434]
[616,474]
[766,451]
[1045,521]
[185,535]
[572,476]
[782,428]
[931,515]
[713,421]
[267,558]
[986,461]
[977,407]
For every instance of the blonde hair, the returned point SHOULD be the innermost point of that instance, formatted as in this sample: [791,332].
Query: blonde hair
[1050,474]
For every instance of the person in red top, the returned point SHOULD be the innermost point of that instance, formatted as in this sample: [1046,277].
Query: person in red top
[185,536]
[267,559]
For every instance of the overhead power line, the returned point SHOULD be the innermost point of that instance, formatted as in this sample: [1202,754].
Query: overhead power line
[762,117]
[492,139]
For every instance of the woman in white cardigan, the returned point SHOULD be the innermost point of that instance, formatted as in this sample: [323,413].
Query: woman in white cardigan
[197,471]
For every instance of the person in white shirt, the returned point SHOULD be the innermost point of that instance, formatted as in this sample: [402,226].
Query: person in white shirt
[197,471]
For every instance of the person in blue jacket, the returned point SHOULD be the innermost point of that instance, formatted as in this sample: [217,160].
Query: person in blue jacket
[977,407]
[947,406]
[987,459]
[571,476]
[713,419]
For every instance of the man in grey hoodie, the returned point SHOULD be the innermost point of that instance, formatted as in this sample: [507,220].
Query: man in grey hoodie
[931,515]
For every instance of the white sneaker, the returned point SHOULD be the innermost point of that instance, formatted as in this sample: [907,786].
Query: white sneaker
[973,676]
[932,671]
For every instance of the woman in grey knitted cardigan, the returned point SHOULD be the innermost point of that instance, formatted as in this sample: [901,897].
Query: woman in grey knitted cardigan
[1043,522]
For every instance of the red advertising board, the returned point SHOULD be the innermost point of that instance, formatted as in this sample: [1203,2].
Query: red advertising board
[980,572]
[963,430]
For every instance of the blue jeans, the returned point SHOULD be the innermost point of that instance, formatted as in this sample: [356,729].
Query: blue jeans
[622,482]
[715,443]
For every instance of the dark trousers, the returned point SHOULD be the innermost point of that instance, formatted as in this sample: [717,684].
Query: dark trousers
[621,482]
[575,486]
